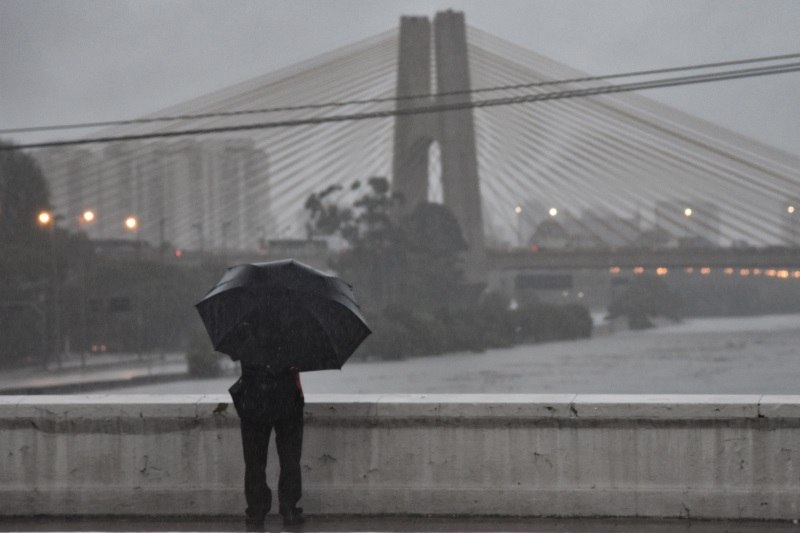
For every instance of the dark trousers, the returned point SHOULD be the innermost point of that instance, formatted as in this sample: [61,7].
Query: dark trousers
[289,442]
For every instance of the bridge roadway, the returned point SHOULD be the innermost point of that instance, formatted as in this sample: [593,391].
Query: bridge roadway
[766,258]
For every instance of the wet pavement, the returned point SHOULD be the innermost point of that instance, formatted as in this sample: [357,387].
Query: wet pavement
[404,524]
[100,372]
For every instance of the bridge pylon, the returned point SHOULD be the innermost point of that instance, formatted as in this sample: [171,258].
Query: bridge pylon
[454,131]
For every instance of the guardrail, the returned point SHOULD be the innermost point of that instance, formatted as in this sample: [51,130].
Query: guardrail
[524,455]
[769,257]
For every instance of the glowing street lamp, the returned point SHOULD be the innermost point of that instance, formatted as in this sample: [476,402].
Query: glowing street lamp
[518,212]
[553,211]
[88,216]
[688,211]
[44,218]
[47,219]
[791,209]
[131,223]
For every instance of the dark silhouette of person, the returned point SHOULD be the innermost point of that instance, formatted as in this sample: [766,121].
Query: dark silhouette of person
[267,398]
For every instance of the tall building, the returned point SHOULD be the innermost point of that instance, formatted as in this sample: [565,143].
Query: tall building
[197,195]
[74,185]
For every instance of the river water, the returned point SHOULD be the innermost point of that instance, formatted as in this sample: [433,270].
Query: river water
[750,355]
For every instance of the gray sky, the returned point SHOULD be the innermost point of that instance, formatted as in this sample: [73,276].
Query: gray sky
[87,60]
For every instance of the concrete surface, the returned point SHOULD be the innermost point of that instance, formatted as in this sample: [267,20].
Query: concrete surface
[406,524]
[722,457]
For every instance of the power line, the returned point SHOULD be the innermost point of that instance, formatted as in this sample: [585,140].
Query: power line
[324,105]
[530,98]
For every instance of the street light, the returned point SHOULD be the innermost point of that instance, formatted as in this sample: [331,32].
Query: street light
[131,223]
[553,211]
[132,226]
[86,219]
[688,211]
[46,219]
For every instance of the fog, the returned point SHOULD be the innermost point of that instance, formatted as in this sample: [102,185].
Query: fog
[670,204]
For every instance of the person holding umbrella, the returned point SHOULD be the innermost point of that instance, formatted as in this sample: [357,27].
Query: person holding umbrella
[267,398]
[278,319]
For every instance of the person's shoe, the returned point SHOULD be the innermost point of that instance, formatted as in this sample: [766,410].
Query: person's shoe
[293,516]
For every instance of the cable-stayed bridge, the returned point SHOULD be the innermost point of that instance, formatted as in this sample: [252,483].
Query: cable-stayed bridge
[610,171]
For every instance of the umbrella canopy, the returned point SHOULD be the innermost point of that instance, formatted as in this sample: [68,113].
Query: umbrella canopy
[284,314]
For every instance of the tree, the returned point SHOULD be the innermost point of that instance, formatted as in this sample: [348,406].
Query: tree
[411,261]
[646,298]
[23,194]
[433,247]
[27,258]
[373,238]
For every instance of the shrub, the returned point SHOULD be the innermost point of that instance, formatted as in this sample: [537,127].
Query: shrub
[577,322]
[389,340]
[202,360]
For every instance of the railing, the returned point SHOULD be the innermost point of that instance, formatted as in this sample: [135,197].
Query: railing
[526,455]
[774,257]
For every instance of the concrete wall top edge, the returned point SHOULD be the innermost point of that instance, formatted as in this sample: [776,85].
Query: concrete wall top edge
[509,406]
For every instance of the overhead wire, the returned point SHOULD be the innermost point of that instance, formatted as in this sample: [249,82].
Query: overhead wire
[324,105]
[435,108]
[582,104]
[293,153]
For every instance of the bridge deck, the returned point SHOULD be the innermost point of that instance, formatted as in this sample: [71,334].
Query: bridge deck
[403,523]
[776,257]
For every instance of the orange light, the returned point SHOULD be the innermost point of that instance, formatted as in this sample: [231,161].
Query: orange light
[756,271]
[783,274]
[689,270]
[662,271]
[614,270]
[638,270]
[44,218]
[178,252]
[771,272]
[88,216]
[728,271]
[796,274]
[744,272]
[705,271]
[131,223]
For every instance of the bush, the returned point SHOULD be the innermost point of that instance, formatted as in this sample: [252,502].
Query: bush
[398,332]
[202,360]
[545,322]
[577,322]
[426,335]
[498,322]
[389,340]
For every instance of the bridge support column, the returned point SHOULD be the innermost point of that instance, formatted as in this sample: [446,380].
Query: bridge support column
[453,130]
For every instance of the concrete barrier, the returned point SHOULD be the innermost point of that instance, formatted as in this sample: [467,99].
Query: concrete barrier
[529,455]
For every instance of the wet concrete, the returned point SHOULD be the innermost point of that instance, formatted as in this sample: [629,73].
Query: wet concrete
[403,524]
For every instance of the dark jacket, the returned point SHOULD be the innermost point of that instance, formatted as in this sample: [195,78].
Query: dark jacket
[266,395]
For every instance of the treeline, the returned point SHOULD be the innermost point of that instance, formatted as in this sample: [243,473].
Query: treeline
[739,296]
[60,293]
[399,333]
[405,265]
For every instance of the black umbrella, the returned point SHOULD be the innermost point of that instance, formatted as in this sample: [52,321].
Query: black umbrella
[284,314]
